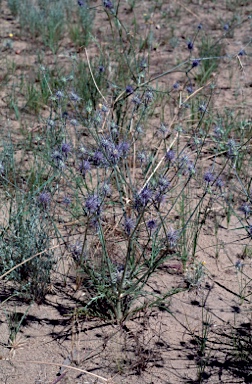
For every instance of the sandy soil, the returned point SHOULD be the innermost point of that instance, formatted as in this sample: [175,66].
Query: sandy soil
[161,345]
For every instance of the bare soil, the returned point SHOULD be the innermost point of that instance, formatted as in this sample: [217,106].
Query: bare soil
[162,345]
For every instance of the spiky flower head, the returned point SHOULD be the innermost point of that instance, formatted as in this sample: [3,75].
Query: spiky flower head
[98,158]
[84,167]
[123,148]
[128,225]
[59,95]
[136,100]
[218,132]
[246,209]
[151,224]
[66,200]
[219,183]
[195,63]
[76,250]
[106,190]
[232,148]
[143,198]
[189,89]
[209,177]
[163,130]
[93,205]
[190,45]
[170,155]
[129,89]
[74,97]
[44,199]
[74,122]
[242,52]
[66,149]
[142,157]
[58,159]
[172,237]
[108,4]
[163,183]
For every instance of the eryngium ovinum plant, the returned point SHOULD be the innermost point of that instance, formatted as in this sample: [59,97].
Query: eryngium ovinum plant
[121,182]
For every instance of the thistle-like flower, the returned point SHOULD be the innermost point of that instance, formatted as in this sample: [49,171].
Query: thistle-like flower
[44,199]
[209,177]
[190,45]
[143,198]
[172,237]
[84,167]
[128,225]
[93,205]
[170,155]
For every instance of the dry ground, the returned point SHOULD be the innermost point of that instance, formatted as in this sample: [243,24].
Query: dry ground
[157,347]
